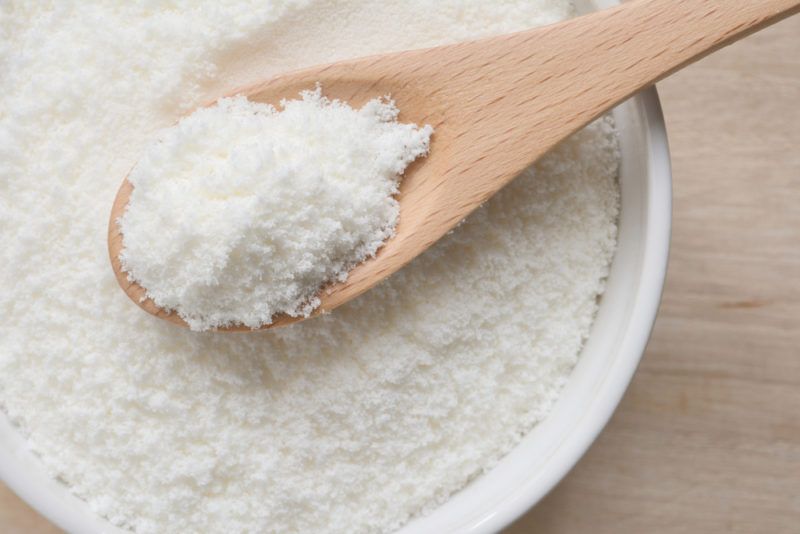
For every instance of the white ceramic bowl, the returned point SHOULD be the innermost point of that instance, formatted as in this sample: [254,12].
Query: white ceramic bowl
[608,360]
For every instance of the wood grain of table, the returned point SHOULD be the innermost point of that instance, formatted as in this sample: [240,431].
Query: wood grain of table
[707,438]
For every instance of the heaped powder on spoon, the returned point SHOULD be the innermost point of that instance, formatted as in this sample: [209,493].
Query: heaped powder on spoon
[241,212]
[352,422]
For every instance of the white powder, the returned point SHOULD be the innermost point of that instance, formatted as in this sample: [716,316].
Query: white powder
[353,422]
[240,212]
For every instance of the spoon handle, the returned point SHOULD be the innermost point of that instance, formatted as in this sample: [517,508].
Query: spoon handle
[547,83]
[500,103]
[641,42]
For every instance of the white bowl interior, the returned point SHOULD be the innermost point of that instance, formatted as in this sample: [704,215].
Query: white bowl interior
[545,455]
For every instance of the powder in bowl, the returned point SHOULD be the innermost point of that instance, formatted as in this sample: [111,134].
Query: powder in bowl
[240,211]
[352,423]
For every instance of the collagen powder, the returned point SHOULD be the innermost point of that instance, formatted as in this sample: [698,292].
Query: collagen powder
[352,422]
[240,212]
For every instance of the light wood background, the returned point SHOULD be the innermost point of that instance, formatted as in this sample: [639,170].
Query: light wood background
[707,438]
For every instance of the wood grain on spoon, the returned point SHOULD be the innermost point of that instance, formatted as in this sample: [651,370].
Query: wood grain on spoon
[497,105]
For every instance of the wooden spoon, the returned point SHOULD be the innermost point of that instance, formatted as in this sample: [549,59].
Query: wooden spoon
[497,105]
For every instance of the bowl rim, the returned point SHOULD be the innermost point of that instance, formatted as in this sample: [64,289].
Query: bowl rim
[643,314]
[611,353]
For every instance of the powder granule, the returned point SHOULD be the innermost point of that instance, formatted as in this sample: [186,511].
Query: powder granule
[240,212]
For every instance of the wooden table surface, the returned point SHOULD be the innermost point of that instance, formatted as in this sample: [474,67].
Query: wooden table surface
[707,438]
